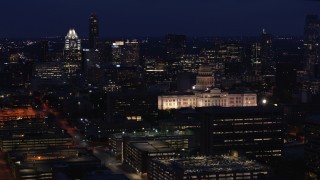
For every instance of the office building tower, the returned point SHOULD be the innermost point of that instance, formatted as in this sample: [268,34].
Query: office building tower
[217,167]
[311,45]
[93,31]
[267,61]
[117,49]
[286,81]
[131,53]
[72,53]
[256,58]
[175,46]
[254,132]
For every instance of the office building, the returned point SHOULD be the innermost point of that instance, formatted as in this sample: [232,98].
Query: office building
[216,167]
[131,56]
[93,32]
[52,164]
[177,140]
[48,70]
[256,58]
[72,53]
[26,142]
[138,154]
[175,46]
[311,45]
[254,132]
[266,54]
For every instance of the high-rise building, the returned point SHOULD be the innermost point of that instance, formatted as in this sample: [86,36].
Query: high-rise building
[256,58]
[131,52]
[311,45]
[117,52]
[267,61]
[254,132]
[175,46]
[72,53]
[93,31]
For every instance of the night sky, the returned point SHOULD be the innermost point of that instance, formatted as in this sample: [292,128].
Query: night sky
[138,18]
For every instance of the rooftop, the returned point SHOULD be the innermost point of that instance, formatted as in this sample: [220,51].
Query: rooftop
[153,146]
[214,164]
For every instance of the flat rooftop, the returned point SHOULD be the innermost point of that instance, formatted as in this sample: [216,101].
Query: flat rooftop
[153,146]
[216,164]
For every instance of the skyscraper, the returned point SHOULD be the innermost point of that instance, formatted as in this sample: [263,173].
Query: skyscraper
[175,46]
[267,61]
[93,31]
[72,53]
[131,56]
[256,58]
[311,45]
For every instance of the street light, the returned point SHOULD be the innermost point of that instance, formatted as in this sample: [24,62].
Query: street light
[264,101]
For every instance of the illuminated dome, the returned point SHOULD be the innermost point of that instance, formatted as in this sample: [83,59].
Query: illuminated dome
[205,78]
[205,70]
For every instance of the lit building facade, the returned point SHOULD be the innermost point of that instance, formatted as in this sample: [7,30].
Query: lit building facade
[254,132]
[48,70]
[25,142]
[72,53]
[138,155]
[213,97]
[131,56]
[175,140]
[217,167]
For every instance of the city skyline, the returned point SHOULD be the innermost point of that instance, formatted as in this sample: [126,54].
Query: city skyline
[142,18]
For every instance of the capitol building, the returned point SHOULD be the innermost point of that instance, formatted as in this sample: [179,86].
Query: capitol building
[204,95]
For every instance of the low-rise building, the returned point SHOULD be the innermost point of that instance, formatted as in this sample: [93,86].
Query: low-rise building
[26,142]
[138,155]
[218,167]
[214,97]
[176,140]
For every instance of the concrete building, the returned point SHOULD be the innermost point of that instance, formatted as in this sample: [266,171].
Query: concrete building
[138,155]
[52,164]
[254,132]
[214,97]
[72,53]
[176,140]
[217,167]
[26,142]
